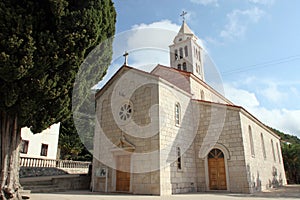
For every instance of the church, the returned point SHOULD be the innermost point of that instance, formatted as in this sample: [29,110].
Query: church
[167,132]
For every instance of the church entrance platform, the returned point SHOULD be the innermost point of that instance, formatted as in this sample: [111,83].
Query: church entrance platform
[290,192]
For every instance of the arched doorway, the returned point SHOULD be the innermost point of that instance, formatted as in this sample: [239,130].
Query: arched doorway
[216,170]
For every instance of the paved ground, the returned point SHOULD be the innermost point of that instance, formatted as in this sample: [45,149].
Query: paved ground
[290,192]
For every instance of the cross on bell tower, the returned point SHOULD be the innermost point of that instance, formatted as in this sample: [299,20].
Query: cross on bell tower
[186,53]
[183,15]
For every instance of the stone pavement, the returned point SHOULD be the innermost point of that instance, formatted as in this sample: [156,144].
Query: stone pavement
[289,192]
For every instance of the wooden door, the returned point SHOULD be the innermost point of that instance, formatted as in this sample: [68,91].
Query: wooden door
[123,174]
[217,172]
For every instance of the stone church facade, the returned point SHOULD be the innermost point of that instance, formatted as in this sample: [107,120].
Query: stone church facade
[168,132]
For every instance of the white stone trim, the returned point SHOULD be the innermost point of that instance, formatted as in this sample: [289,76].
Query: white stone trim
[116,154]
[226,156]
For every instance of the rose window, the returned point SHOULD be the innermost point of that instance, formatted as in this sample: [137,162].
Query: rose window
[125,112]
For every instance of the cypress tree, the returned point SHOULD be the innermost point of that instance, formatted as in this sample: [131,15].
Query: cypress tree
[42,45]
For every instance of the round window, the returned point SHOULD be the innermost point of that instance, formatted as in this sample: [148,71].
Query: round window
[125,111]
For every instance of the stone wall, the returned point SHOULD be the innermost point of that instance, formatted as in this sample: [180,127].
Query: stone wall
[136,136]
[264,169]
[40,171]
[174,136]
[73,183]
[220,128]
[208,94]
[49,171]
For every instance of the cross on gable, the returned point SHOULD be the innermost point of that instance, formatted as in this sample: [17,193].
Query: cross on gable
[126,57]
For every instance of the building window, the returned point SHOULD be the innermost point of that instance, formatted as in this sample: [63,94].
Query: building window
[179,66]
[180,53]
[186,51]
[176,54]
[251,142]
[263,145]
[177,114]
[24,146]
[273,151]
[125,111]
[179,163]
[278,152]
[202,95]
[200,69]
[184,66]
[44,150]
[199,55]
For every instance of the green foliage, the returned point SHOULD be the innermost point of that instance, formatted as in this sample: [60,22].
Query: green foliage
[70,145]
[286,137]
[290,146]
[42,45]
[291,158]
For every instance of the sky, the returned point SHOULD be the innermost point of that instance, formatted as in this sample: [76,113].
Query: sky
[254,45]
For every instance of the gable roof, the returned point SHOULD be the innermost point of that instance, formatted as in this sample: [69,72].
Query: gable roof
[123,69]
[240,109]
[191,75]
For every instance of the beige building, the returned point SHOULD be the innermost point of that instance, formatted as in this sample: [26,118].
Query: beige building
[168,132]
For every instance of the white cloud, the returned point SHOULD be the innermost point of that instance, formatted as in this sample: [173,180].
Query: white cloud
[263,2]
[282,119]
[272,93]
[286,120]
[206,2]
[163,24]
[295,92]
[240,97]
[149,43]
[239,20]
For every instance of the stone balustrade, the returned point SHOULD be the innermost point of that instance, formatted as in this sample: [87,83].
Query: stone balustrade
[62,164]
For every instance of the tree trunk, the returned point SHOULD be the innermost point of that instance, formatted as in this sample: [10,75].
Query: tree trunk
[10,138]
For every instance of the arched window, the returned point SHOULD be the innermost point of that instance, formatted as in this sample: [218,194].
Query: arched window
[199,55]
[273,151]
[278,152]
[186,51]
[176,54]
[179,164]
[251,142]
[202,95]
[180,53]
[177,113]
[263,145]
[184,66]
[179,66]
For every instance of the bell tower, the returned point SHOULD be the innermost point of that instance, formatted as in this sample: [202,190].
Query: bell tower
[185,53]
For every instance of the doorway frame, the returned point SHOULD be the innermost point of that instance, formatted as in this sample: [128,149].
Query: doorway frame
[226,157]
[114,171]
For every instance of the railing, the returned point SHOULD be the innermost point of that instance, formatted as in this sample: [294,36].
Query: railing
[39,162]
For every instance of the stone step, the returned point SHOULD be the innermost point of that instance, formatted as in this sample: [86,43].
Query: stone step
[30,183]
[51,184]
[44,188]
[31,187]
[48,190]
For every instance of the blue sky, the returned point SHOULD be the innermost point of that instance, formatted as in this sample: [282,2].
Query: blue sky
[254,44]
